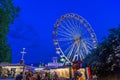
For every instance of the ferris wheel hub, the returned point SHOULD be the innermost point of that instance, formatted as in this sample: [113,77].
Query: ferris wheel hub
[77,39]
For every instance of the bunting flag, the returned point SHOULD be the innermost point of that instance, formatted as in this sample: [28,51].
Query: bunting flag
[88,71]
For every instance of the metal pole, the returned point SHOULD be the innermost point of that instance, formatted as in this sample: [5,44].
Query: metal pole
[22,59]
[23,52]
[70,71]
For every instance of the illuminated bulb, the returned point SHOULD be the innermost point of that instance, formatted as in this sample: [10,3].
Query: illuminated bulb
[58,52]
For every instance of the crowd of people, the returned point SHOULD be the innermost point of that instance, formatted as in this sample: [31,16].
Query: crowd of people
[38,76]
[41,75]
[5,73]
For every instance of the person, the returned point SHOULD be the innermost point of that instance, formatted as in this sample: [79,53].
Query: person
[19,77]
[33,78]
[49,76]
[38,76]
[28,76]
[77,74]
[43,76]
[55,76]
[9,73]
[46,76]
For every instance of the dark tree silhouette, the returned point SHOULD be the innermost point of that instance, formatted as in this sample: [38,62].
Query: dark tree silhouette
[8,12]
[105,59]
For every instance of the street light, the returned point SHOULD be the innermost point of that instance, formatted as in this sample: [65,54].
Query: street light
[22,58]
[22,62]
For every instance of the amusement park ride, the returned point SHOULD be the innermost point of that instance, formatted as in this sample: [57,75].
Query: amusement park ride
[73,38]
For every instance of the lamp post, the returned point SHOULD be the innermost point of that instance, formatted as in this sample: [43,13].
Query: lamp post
[23,52]
[22,58]
[22,62]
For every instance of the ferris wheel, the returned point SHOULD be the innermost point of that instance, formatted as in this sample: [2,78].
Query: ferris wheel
[73,37]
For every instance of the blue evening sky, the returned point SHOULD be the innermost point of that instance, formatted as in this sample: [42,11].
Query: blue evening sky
[33,28]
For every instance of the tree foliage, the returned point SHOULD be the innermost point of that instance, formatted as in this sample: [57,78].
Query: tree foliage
[8,12]
[105,59]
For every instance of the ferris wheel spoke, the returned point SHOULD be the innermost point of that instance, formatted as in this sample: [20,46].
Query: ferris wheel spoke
[77,26]
[65,39]
[68,22]
[80,53]
[68,27]
[71,51]
[88,40]
[63,55]
[83,50]
[76,52]
[65,28]
[89,47]
[74,57]
[65,43]
[85,33]
[74,26]
[89,43]
[82,28]
[67,51]
[64,33]
[85,29]
[85,47]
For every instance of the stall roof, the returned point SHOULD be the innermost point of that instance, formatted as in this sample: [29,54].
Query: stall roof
[9,64]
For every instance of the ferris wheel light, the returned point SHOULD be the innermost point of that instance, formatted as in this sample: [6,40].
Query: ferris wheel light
[55,43]
[58,52]
[57,48]
[67,15]
[63,17]
[72,15]
[92,35]
[94,41]
[62,60]
[88,29]
[58,22]
[95,47]
[55,27]
[81,20]
[76,17]
[85,25]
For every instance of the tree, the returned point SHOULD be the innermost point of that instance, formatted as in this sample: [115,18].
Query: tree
[8,12]
[105,59]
